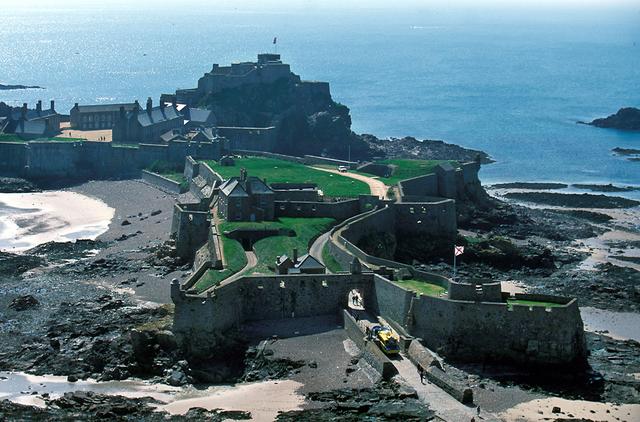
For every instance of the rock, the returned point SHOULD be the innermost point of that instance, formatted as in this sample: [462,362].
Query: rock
[125,223]
[625,119]
[177,378]
[156,212]
[72,378]
[313,364]
[556,409]
[23,303]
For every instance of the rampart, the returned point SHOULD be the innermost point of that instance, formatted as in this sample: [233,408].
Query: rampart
[161,182]
[88,159]
[250,138]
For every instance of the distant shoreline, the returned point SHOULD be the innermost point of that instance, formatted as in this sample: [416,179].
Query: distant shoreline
[16,87]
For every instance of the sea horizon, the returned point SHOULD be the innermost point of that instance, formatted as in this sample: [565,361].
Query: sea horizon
[429,74]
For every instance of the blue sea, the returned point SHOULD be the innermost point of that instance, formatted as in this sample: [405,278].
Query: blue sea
[510,82]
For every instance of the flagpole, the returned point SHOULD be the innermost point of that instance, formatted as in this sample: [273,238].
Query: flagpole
[454,263]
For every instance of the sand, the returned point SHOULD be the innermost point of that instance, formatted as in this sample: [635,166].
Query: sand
[263,399]
[30,219]
[618,325]
[103,135]
[541,410]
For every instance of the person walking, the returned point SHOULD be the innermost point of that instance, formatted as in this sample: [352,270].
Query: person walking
[422,375]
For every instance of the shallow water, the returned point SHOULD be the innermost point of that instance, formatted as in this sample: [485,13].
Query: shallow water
[30,219]
[619,325]
[510,81]
[263,399]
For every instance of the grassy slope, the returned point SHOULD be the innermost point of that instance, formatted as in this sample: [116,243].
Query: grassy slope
[410,168]
[235,259]
[533,303]
[279,171]
[9,137]
[306,229]
[329,261]
[422,287]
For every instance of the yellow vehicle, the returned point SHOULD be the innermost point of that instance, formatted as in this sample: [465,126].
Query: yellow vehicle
[388,341]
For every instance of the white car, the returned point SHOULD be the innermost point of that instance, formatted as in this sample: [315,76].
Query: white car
[343,169]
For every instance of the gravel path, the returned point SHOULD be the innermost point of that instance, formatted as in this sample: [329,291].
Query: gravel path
[377,187]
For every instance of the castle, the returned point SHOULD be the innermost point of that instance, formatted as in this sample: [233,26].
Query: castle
[473,322]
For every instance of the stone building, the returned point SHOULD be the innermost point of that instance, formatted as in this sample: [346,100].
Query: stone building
[146,126]
[98,116]
[33,124]
[246,198]
[306,264]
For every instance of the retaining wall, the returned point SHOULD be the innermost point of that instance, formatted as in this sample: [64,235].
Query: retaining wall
[370,351]
[161,182]
[314,159]
[13,158]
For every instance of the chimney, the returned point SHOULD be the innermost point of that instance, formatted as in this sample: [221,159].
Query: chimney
[149,105]
[53,105]
[76,106]
[136,107]
[39,106]
[23,112]
[122,112]
[295,256]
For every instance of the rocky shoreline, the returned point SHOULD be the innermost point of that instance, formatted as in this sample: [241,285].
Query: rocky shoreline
[91,326]
[624,119]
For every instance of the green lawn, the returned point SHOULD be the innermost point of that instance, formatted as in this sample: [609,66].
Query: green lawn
[422,287]
[329,261]
[10,137]
[512,302]
[407,169]
[236,260]
[280,171]
[306,229]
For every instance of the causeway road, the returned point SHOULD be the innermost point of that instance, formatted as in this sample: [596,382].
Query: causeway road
[377,187]
[445,406]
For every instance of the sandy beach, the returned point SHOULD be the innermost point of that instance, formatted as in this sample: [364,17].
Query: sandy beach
[30,219]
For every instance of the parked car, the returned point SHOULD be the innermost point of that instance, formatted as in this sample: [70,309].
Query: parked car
[343,169]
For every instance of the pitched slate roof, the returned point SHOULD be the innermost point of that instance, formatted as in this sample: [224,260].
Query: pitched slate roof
[32,114]
[232,187]
[308,262]
[157,115]
[199,115]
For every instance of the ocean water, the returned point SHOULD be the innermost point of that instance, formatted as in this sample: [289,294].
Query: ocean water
[511,83]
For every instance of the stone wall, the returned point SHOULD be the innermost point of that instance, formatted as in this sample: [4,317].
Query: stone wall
[392,301]
[161,182]
[267,154]
[480,331]
[314,159]
[13,158]
[248,138]
[190,230]
[308,209]
[88,159]
[370,351]
[419,186]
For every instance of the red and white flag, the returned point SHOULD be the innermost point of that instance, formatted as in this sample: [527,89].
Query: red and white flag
[458,250]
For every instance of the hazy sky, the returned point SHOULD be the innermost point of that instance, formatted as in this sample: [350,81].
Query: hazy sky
[325,4]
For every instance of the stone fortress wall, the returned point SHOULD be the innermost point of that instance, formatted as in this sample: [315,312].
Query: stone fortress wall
[473,322]
[86,159]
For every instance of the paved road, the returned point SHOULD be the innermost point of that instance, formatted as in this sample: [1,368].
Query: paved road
[317,247]
[442,403]
[377,187]
[252,261]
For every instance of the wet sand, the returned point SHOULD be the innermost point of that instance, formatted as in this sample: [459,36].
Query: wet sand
[263,399]
[618,325]
[541,410]
[30,219]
